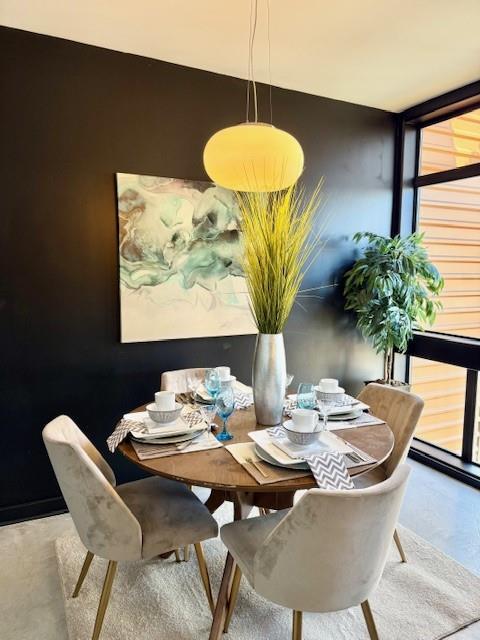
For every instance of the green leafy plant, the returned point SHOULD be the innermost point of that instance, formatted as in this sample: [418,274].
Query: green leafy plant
[392,289]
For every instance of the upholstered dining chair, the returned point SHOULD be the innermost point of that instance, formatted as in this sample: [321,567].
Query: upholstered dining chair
[179,380]
[325,554]
[401,410]
[134,521]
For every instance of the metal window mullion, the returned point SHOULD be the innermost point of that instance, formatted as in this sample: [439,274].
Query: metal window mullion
[469,417]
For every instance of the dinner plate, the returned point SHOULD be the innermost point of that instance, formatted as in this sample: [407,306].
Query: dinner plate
[351,415]
[169,440]
[266,457]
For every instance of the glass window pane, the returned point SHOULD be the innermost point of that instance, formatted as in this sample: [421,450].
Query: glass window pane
[451,143]
[442,387]
[449,215]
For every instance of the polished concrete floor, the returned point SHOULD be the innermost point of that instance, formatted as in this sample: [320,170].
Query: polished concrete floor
[441,510]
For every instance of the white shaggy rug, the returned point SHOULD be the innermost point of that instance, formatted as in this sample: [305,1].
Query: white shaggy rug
[429,598]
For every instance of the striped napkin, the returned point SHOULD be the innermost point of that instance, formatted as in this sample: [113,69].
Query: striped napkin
[330,471]
[191,416]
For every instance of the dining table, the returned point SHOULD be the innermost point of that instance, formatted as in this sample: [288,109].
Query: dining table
[218,470]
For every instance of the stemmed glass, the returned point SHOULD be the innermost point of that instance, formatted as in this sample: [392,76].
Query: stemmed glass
[225,403]
[325,406]
[212,383]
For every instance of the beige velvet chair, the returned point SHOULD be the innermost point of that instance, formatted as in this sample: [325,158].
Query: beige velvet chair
[326,553]
[134,521]
[178,381]
[401,410]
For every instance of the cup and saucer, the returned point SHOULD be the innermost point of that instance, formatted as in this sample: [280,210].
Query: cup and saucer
[304,427]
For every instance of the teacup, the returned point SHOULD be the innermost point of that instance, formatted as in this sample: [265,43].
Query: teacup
[328,385]
[304,420]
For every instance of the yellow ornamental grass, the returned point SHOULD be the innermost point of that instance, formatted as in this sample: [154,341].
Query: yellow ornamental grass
[281,239]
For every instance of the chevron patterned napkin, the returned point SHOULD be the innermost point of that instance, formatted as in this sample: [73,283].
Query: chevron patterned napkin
[330,471]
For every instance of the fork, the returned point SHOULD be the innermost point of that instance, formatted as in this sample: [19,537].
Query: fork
[257,466]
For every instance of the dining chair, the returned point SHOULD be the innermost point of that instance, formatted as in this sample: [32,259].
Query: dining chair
[401,410]
[179,380]
[325,554]
[134,521]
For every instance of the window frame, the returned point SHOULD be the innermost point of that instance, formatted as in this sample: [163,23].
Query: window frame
[440,347]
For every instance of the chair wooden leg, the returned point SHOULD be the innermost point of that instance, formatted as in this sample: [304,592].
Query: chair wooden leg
[222,600]
[186,553]
[104,598]
[85,567]
[264,511]
[177,555]
[370,622]
[396,537]
[232,601]
[202,565]
[297,625]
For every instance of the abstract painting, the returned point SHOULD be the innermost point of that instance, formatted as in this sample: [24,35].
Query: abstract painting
[180,260]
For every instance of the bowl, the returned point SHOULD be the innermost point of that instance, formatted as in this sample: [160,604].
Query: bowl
[164,417]
[335,397]
[302,438]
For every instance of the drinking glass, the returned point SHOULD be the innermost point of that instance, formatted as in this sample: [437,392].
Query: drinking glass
[306,397]
[225,403]
[212,383]
[325,406]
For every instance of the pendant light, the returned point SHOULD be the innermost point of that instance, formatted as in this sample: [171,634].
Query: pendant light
[254,156]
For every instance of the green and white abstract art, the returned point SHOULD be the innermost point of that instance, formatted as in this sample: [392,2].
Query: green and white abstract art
[180,260]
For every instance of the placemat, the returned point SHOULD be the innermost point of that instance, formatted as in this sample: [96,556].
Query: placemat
[147,451]
[244,451]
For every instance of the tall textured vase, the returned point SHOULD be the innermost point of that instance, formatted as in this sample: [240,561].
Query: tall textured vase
[269,378]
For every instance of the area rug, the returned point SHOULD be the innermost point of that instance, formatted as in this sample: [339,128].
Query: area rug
[429,598]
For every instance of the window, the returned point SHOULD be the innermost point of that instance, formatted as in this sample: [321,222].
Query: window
[443,196]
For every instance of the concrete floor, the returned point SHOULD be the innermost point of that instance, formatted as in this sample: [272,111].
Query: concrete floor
[441,510]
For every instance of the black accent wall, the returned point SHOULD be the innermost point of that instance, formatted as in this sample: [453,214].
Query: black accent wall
[71,116]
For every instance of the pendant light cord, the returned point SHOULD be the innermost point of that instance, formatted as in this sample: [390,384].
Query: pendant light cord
[269,64]
[251,77]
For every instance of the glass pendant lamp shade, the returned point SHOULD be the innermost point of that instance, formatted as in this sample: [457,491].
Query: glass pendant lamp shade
[253,157]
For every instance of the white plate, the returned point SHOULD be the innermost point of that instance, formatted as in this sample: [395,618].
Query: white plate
[351,415]
[167,432]
[266,457]
[172,440]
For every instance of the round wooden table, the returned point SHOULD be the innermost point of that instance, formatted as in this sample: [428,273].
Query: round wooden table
[219,471]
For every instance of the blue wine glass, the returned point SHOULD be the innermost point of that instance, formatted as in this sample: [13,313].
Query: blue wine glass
[225,403]
[212,383]
[306,397]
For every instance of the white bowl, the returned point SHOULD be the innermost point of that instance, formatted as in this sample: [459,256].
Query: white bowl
[303,438]
[164,417]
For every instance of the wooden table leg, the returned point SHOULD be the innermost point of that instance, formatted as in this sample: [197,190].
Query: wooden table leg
[215,500]
[242,504]
[276,501]
[222,600]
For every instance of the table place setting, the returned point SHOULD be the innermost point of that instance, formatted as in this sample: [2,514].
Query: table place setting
[305,443]
[167,427]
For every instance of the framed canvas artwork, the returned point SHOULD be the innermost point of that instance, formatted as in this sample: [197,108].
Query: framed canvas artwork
[180,260]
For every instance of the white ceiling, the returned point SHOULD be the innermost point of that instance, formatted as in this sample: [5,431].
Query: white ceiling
[389,54]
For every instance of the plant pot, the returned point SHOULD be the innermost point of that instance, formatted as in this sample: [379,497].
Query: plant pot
[398,384]
[269,378]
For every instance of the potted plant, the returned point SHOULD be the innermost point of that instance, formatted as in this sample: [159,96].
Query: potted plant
[392,289]
[280,239]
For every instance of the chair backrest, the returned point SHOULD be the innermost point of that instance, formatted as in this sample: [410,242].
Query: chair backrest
[400,410]
[329,551]
[104,523]
[178,381]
